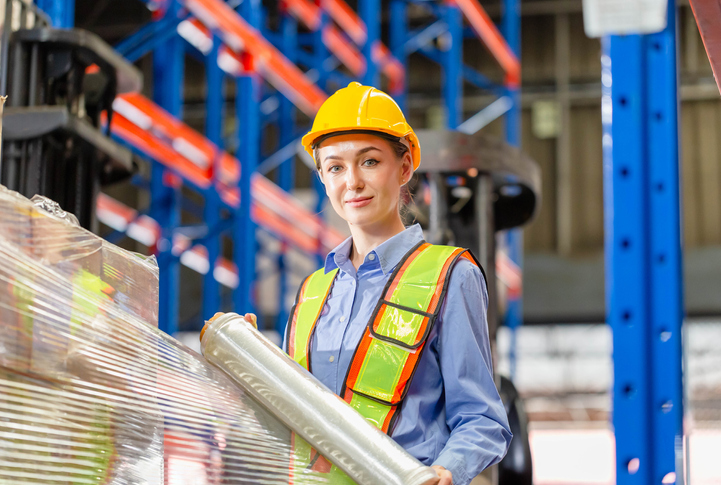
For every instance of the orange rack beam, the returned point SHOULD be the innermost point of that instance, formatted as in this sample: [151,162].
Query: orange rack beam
[160,136]
[146,231]
[344,50]
[492,38]
[270,63]
[310,14]
[708,18]
[347,19]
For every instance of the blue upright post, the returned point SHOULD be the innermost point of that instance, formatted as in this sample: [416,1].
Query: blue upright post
[286,171]
[398,35]
[511,27]
[643,251]
[370,13]
[247,102]
[320,53]
[452,63]
[214,133]
[667,308]
[168,75]
[61,12]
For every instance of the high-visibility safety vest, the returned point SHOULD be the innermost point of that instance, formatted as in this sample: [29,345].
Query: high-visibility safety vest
[386,358]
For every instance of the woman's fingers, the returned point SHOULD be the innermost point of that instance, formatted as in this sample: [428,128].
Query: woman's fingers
[446,478]
[252,319]
[209,322]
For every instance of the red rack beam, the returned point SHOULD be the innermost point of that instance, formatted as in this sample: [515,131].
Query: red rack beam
[274,66]
[344,50]
[146,230]
[492,38]
[310,14]
[347,19]
[708,18]
[305,11]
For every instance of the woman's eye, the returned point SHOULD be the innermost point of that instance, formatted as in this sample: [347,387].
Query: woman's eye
[370,162]
[334,168]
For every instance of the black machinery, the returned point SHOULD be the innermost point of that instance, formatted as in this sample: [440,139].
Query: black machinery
[479,185]
[58,83]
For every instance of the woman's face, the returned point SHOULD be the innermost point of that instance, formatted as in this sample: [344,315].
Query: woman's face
[363,178]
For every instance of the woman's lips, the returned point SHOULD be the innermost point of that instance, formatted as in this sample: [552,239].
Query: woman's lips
[358,202]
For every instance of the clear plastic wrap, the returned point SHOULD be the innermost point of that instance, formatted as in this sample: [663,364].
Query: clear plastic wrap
[91,392]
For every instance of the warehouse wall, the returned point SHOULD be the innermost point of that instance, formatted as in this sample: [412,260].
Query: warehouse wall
[571,160]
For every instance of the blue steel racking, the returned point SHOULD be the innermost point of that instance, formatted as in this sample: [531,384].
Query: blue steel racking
[361,37]
[644,286]
[643,242]
[359,40]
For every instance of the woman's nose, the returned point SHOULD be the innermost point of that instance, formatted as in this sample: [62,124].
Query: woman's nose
[353,179]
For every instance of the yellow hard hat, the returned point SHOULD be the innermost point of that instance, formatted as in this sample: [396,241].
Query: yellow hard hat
[362,108]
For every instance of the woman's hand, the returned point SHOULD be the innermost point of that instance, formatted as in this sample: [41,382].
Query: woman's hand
[446,476]
[250,317]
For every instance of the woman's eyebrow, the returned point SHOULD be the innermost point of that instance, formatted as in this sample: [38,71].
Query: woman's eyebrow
[365,150]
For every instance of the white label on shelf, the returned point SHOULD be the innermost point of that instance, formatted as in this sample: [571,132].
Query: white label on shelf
[618,17]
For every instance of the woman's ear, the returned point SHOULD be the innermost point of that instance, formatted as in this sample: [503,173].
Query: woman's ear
[406,168]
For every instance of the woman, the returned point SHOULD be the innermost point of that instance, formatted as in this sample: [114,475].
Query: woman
[394,326]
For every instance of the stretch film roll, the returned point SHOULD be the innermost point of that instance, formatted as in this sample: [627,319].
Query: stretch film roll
[302,403]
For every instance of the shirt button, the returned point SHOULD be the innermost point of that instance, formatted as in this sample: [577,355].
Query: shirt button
[342,319]
[372,257]
[331,358]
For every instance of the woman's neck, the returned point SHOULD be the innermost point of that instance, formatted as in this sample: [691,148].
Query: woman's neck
[366,239]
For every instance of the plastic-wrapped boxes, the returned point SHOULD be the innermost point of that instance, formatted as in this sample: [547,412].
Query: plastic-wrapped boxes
[90,390]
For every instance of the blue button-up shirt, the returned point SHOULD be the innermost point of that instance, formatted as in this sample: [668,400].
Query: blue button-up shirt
[452,415]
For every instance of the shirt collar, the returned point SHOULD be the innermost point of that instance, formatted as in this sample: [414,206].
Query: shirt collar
[389,253]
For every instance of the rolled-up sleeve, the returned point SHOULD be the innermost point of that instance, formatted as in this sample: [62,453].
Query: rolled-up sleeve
[479,431]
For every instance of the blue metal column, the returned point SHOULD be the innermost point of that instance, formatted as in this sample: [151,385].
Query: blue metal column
[211,211]
[511,27]
[452,64]
[247,103]
[398,35]
[168,76]
[666,252]
[643,251]
[61,12]
[286,171]
[370,13]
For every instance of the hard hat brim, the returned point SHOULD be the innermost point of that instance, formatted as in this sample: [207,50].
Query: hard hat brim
[309,140]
